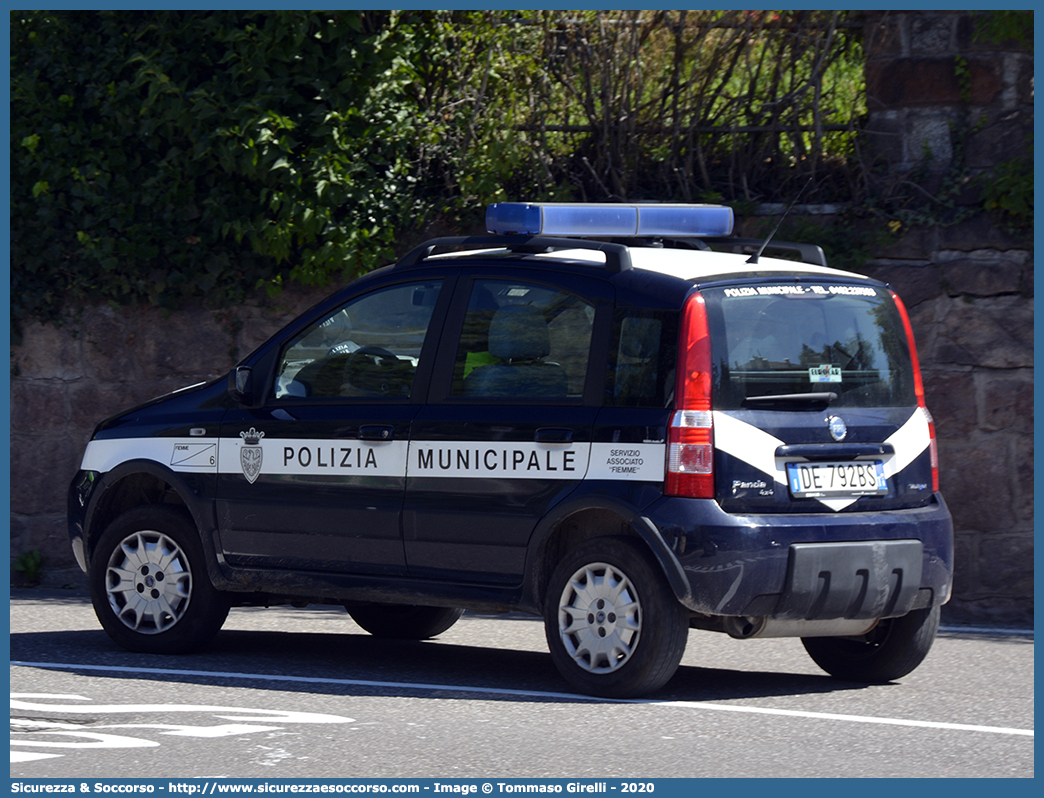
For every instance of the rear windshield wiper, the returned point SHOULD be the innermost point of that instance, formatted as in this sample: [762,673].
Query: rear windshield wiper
[810,401]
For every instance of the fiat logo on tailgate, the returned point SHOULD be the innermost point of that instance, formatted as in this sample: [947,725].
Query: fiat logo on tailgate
[838,428]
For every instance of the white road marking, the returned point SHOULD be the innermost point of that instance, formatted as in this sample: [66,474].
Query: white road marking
[29,756]
[226,730]
[71,739]
[237,713]
[992,631]
[700,705]
[41,733]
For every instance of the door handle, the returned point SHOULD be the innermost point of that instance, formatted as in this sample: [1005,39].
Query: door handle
[834,451]
[376,432]
[551,435]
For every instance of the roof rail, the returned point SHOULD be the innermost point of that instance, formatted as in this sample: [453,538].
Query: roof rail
[617,256]
[809,253]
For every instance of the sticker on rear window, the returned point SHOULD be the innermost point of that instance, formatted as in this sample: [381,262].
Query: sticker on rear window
[824,373]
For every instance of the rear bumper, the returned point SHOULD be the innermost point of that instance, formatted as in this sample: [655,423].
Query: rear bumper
[809,566]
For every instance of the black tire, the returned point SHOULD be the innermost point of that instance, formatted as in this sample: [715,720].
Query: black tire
[404,621]
[889,651]
[165,603]
[610,589]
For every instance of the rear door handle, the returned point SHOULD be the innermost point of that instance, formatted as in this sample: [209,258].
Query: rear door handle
[551,435]
[376,432]
[834,451]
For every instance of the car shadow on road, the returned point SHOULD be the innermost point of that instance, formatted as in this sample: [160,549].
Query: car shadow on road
[359,664]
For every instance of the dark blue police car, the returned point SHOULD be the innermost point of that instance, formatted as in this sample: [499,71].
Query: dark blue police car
[594,414]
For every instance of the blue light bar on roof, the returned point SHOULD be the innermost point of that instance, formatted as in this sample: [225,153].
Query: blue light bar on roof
[608,219]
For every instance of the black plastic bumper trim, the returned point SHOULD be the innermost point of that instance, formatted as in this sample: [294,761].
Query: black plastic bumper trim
[867,579]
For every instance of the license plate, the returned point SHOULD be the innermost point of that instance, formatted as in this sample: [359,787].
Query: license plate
[816,480]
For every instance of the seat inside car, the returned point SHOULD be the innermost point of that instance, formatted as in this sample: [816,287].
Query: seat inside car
[520,340]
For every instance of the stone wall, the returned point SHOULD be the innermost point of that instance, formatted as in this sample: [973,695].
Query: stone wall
[970,298]
[951,103]
[929,71]
[99,362]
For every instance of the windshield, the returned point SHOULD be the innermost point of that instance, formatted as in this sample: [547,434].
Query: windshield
[815,338]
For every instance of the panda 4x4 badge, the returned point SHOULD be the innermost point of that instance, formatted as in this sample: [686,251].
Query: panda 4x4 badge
[251,453]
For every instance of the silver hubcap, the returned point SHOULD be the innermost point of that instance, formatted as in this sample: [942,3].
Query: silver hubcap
[599,618]
[149,582]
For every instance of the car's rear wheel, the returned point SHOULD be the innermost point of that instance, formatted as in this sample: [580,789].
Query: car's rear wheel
[890,650]
[613,625]
[404,621]
[149,583]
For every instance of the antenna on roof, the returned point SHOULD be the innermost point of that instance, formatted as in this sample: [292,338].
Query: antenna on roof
[754,258]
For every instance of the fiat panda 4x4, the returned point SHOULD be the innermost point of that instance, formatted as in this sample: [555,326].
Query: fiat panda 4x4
[594,414]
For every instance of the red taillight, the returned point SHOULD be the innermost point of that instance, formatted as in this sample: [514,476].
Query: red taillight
[933,448]
[690,445]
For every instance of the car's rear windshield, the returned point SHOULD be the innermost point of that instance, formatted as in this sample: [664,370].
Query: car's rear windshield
[782,339]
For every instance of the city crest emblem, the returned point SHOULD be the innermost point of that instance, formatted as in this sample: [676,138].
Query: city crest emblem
[251,453]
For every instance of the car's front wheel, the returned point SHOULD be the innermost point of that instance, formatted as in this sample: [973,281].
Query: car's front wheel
[403,621]
[890,650]
[149,583]
[613,624]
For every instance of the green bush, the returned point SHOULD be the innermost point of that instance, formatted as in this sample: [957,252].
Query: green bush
[30,565]
[163,155]
[1008,191]
[159,156]
[170,154]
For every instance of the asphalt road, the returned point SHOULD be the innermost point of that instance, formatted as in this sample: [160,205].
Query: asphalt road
[298,693]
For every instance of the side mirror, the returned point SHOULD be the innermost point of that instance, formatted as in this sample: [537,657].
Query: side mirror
[241,384]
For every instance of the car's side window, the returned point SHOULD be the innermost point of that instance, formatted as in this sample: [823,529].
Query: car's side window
[368,347]
[641,358]
[523,341]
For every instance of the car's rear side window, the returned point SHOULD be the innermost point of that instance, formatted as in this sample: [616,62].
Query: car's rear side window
[641,358]
[792,338]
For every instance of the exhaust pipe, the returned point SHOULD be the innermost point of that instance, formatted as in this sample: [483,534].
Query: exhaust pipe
[747,628]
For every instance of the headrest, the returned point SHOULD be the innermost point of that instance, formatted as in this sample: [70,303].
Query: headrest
[519,332]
